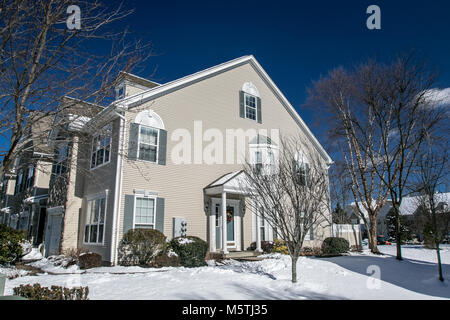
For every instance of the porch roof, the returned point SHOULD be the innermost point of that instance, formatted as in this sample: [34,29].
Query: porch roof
[234,182]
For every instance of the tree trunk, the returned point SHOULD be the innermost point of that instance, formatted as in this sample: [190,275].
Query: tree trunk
[294,268]
[372,234]
[441,277]
[398,236]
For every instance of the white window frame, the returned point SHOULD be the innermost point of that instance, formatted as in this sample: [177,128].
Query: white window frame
[153,197]
[247,106]
[88,215]
[157,143]
[105,132]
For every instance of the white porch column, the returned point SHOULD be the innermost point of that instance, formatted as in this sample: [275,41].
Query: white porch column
[224,222]
[258,232]
[212,228]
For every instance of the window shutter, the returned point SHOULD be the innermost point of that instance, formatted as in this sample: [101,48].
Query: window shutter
[311,232]
[241,104]
[159,219]
[258,110]
[162,147]
[128,213]
[133,142]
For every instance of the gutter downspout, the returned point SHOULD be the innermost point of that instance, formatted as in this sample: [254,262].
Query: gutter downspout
[117,192]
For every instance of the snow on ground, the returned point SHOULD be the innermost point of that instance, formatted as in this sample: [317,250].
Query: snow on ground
[345,277]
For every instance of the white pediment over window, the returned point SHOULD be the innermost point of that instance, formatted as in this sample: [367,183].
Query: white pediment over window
[250,88]
[149,118]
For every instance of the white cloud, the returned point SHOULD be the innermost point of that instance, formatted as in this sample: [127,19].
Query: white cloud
[438,97]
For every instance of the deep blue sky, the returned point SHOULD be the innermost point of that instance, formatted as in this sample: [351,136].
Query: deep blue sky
[294,41]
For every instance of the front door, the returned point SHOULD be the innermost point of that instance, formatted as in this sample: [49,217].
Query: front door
[230,224]
[53,234]
[231,228]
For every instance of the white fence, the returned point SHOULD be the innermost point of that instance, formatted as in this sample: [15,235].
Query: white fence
[351,232]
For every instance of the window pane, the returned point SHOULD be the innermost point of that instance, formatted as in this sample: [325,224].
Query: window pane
[93,237]
[147,152]
[144,211]
[102,210]
[107,153]
[86,233]
[149,136]
[100,233]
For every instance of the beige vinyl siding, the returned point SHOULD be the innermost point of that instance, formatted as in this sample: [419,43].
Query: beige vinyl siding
[215,101]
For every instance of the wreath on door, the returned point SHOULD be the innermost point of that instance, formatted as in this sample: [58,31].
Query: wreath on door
[229,216]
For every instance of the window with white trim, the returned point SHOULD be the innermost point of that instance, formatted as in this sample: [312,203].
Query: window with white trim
[59,167]
[95,220]
[258,161]
[250,106]
[148,143]
[144,214]
[101,147]
[301,169]
[30,176]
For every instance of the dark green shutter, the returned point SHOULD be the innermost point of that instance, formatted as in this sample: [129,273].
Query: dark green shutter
[162,148]
[128,213]
[241,104]
[311,232]
[159,220]
[133,141]
[258,110]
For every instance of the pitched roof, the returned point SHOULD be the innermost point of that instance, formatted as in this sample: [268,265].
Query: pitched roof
[163,89]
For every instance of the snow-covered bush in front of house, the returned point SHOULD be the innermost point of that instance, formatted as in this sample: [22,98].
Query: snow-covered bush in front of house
[26,247]
[140,247]
[335,245]
[10,244]
[191,251]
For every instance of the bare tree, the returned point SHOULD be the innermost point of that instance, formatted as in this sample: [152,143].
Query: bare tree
[353,131]
[403,114]
[293,195]
[42,61]
[431,174]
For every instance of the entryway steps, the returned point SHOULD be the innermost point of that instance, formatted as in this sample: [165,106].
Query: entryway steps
[243,255]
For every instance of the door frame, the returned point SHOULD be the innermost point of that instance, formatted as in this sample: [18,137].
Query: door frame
[237,232]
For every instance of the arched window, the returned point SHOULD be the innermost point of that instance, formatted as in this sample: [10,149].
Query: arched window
[250,102]
[151,136]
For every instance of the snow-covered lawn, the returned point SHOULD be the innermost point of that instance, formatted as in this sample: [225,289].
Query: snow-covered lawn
[345,277]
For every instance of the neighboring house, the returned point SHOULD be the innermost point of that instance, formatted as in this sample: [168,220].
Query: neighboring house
[24,190]
[142,162]
[409,208]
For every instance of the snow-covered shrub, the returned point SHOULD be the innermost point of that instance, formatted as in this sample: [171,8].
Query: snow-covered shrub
[139,247]
[10,244]
[89,260]
[166,259]
[190,250]
[36,292]
[26,247]
[335,245]
[266,246]
[310,251]
[279,246]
